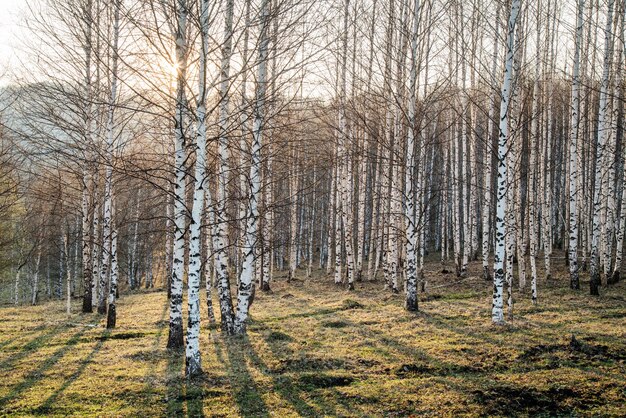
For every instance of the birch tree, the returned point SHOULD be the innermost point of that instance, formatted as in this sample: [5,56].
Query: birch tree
[573,153]
[175,337]
[220,241]
[85,207]
[192,347]
[111,308]
[411,303]
[497,314]
[488,154]
[245,282]
[603,127]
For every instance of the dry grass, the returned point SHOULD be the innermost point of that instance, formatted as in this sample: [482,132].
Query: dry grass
[317,350]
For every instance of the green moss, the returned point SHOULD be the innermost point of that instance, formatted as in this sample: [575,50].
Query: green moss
[351,304]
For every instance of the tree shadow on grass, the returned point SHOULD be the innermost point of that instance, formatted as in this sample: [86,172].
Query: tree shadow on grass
[21,335]
[181,391]
[175,387]
[37,375]
[307,314]
[154,355]
[423,363]
[45,407]
[194,397]
[286,385]
[495,337]
[245,390]
[31,346]
[299,386]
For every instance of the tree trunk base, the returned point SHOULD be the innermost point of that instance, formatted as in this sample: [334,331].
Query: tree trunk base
[594,285]
[193,368]
[87,306]
[111,317]
[175,338]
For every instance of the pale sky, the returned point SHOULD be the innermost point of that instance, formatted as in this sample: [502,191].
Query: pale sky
[12,33]
[11,12]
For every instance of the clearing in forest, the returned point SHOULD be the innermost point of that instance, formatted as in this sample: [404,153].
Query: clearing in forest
[317,350]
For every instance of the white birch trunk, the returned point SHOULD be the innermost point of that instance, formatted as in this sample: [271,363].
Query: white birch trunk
[573,154]
[338,218]
[411,302]
[106,245]
[243,141]
[245,282]
[343,157]
[376,247]
[268,226]
[168,246]
[193,361]
[221,228]
[365,160]
[547,189]
[149,269]
[312,225]
[112,312]
[332,213]
[96,245]
[175,337]
[488,155]
[603,126]
[532,182]
[133,264]
[89,137]
[386,166]
[16,287]
[209,265]
[464,181]
[497,313]
[107,219]
[455,199]
[86,250]
[612,272]
[68,276]
[621,221]
[293,217]
[75,263]
[35,293]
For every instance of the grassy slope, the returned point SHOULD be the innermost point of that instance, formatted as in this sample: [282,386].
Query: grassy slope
[315,350]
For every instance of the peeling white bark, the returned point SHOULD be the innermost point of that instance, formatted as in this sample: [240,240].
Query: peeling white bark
[497,313]
[245,282]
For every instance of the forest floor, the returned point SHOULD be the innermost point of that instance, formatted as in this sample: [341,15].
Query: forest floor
[317,350]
